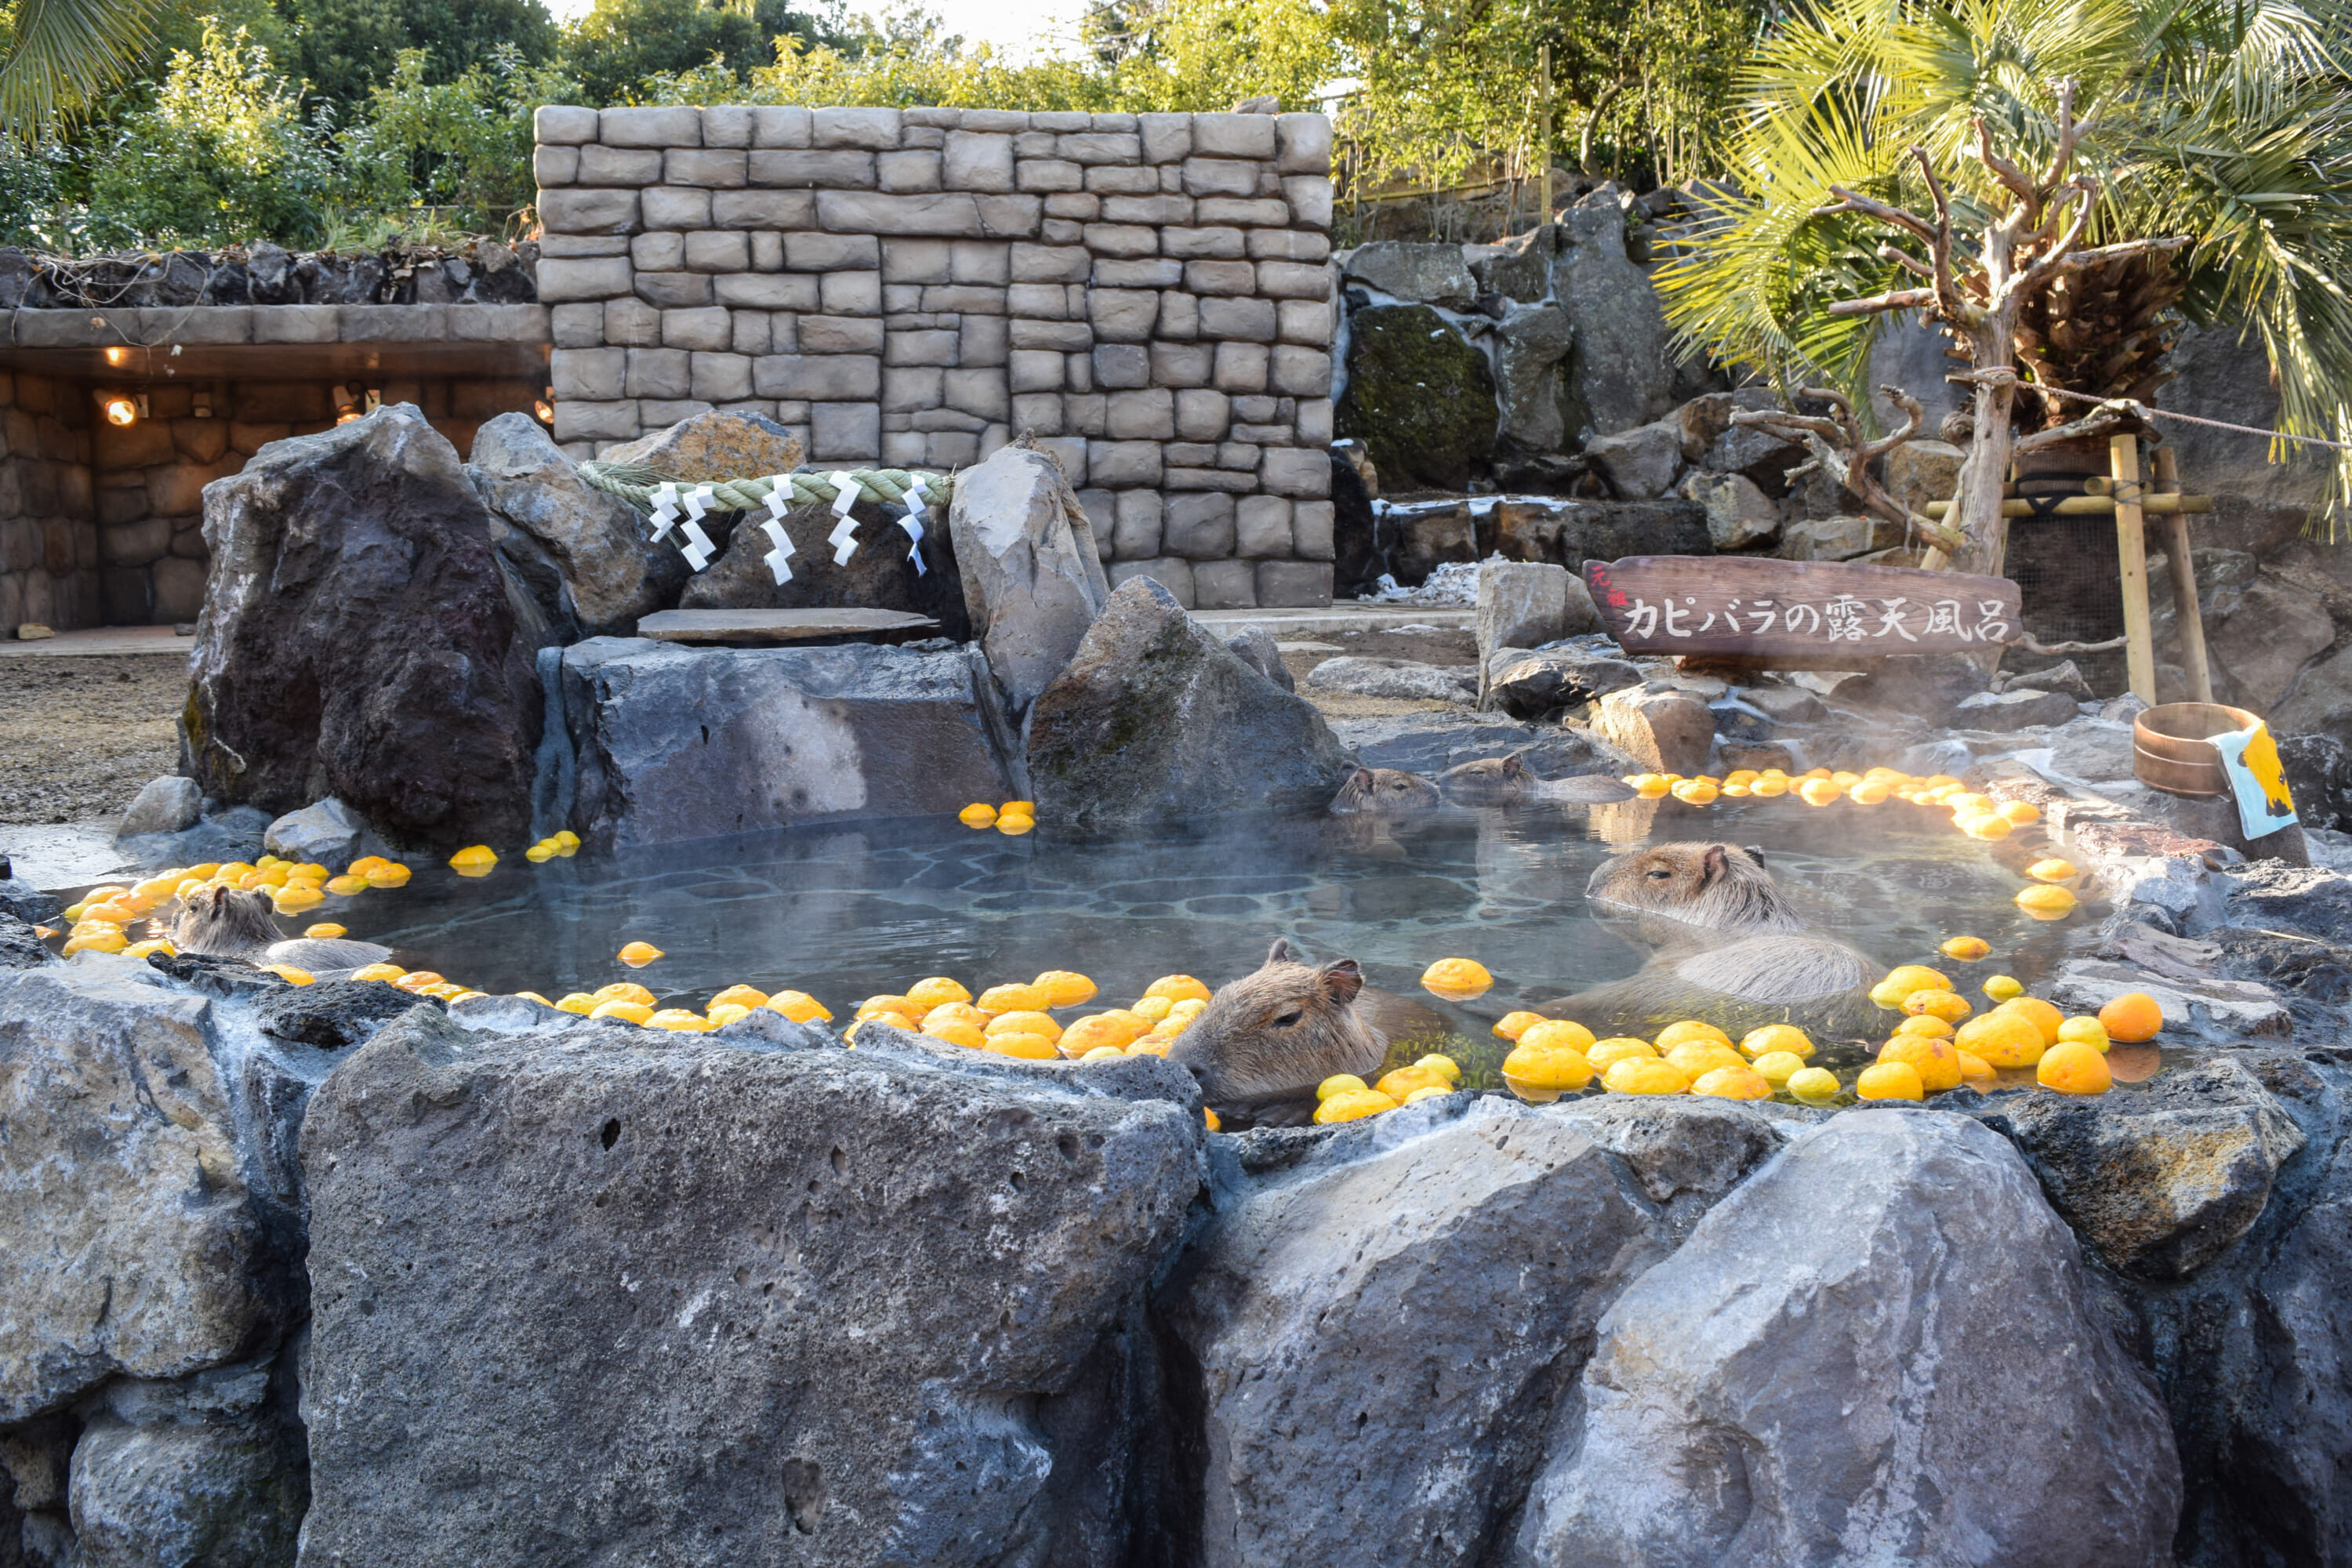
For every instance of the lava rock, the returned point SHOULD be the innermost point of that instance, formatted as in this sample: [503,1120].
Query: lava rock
[20,945]
[165,805]
[884,1293]
[333,1014]
[129,1243]
[23,901]
[1419,273]
[2162,1181]
[1397,678]
[1526,604]
[2319,777]
[674,742]
[1739,513]
[1785,704]
[1918,472]
[1032,578]
[1433,740]
[1420,398]
[1679,1149]
[611,571]
[224,979]
[357,640]
[1530,346]
[1155,719]
[1532,684]
[1639,463]
[326,833]
[715,445]
[1785,1390]
[1623,373]
[1256,648]
[1664,731]
[2005,711]
[1332,1311]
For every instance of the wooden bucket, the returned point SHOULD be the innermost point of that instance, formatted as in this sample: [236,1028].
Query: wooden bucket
[2172,750]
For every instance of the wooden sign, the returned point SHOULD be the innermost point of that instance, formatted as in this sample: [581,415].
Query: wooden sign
[1826,614]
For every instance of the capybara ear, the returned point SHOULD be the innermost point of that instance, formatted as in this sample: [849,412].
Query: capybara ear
[1755,852]
[1718,860]
[1515,766]
[1341,979]
[1362,778]
[1281,951]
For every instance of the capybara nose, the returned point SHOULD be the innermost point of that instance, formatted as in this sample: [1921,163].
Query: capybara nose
[1198,1075]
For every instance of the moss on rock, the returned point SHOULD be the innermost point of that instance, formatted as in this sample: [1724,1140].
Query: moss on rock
[1419,397]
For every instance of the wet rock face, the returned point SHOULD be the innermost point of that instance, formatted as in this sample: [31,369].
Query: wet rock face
[129,1242]
[358,639]
[1155,719]
[1333,1312]
[1879,1388]
[724,1242]
[1420,397]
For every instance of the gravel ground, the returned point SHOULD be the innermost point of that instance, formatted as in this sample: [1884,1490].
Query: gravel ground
[78,736]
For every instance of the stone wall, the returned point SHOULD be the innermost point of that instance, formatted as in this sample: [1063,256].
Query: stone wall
[49,538]
[1148,295]
[151,475]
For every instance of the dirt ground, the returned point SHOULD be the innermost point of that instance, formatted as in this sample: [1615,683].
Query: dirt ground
[78,736]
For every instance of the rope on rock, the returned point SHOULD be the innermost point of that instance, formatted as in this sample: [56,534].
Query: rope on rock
[662,499]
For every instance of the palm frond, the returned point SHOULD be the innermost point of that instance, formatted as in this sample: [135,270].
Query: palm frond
[61,55]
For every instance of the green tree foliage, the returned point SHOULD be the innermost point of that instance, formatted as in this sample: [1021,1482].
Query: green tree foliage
[347,47]
[621,44]
[60,57]
[463,145]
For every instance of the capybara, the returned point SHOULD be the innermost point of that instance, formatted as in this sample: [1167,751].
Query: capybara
[1384,789]
[1732,951]
[223,922]
[1508,781]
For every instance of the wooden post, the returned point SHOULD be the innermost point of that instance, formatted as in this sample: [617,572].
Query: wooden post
[1543,151]
[2167,464]
[2131,547]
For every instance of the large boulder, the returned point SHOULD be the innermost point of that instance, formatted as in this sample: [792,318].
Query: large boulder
[1621,373]
[1434,739]
[879,575]
[1664,732]
[326,832]
[716,444]
[1641,463]
[1529,347]
[1398,679]
[1919,1380]
[1531,684]
[1416,273]
[1156,720]
[1420,397]
[611,571]
[130,1242]
[165,805]
[674,743]
[607,1294]
[358,639]
[1386,1332]
[1033,579]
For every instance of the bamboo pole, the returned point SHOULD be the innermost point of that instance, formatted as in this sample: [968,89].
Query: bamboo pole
[1543,72]
[2089,506]
[2131,546]
[2184,579]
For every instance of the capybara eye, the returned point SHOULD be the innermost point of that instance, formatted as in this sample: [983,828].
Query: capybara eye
[1660,874]
[1289,1020]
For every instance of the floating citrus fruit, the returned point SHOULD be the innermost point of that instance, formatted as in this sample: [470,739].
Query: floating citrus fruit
[739,996]
[1546,1073]
[722,1014]
[2071,1068]
[2019,812]
[1024,1023]
[1339,1083]
[1443,1065]
[628,1012]
[2084,1031]
[474,854]
[2003,1039]
[1973,1068]
[1014,826]
[1780,1067]
[1553,1034]
[1698,1058]
[638,954]
[978,814]
[1902,981]
[1178,988]
[2050,870]
[677,1020]
[1967,949]
[1456,979]
[1687,1031]
[1889,1080]
[1066,988]
[623,990]
[2002,988]
[1353,1104]
[800,1007]
[325,931]
[1606,1054]
[1926,1024]
[1814,1086]
[345,887]
[577,1002]
[1773,1037]
[2132,1017]
[1402,1081]
[935,989]
[1116,1027]
[2045,899]
[1645,1075]
[1742,1082]
[1511,1025]
[2040,1014]
[955,1032]
[1819,791]
[1989,825]
[1949,1005]
[1935,1062]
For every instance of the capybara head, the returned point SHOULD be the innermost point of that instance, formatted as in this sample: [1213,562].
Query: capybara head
[1490,780]
[1384,789]
[223,923]
[1265,1040]
[1713,887]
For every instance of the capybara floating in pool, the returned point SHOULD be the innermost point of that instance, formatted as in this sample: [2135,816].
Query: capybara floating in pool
[1508,781]
[1265,1040]
[1732,951]
[222,922]
[1381,790]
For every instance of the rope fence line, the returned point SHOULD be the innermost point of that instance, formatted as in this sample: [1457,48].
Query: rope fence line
[2132,405]
[670,502]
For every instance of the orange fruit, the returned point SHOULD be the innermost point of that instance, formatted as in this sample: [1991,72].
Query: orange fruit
[935,990]
[1352,1105]
[1967,949]
[638,954]
[1511,1025]
[1700,1056]
[2050,870]
[1890,1080]
[1025,1044]
[956,1013]
[1780,1067]
[2019,812]
[1936,1061]
[1556,1070]
[1116,1027]
[956,1032]
[978,814]
[2084,1032]
[1974,1068]
[1066,988]
[1949,1005]
[1814,1086]
[1734,1083]
[800,1007]
[2003,1038]
[1673,1034]
[2045,899]
[1402,1082]
[1177,988]
[1606,1054]
[1556,1034]
[1926,1024]
[1787,1037]
[620,991]
[2130,1018]
[1457,978]
[739,996]
[1645,1075]
[2073,1068]
[1013,999]
[2044,1018]
[1024,1023]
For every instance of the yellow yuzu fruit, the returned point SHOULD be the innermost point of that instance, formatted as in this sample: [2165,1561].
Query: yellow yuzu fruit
[800,1007]
[2084,1031]
[1606,1054]
[1353,1104]
[1024,1023]
[1785,1038]
[1065,987]
[1967,949]
[1456,978]
[2071,1068]
[1889,1080]
[2132,1017]
[1178,988]
[1780,1067]
[1553,1033]
[936,990]
[1688,1029]
[1936,1061]
[1645,1075]
[2002,1039]
[1339,1083]
[1511,1025]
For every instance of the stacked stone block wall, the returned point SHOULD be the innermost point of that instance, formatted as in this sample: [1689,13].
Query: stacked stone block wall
[48,536]
[151,475]
[1148,295]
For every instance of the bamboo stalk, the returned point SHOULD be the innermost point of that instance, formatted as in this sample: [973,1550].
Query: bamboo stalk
[2089,506]
[2131,546]
[2184,579]
[1543,67]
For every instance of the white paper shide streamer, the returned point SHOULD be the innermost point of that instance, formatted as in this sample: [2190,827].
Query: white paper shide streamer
[697,548]
[917,501]
[780,501]
[844,537]
[664,498]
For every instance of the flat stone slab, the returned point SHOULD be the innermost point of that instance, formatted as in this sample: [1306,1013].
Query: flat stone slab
[760,629]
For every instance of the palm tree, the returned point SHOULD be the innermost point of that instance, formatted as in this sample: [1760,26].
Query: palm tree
[58,56]
[2054,182]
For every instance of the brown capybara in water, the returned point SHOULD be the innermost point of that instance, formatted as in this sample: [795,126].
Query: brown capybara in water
[1265,1040]
[1508,781]
[223,922]
[1732,951]
[1384,790]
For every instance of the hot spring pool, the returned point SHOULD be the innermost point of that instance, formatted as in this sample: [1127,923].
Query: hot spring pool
[848,912]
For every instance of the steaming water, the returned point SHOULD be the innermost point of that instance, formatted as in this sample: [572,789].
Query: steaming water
[846,913]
